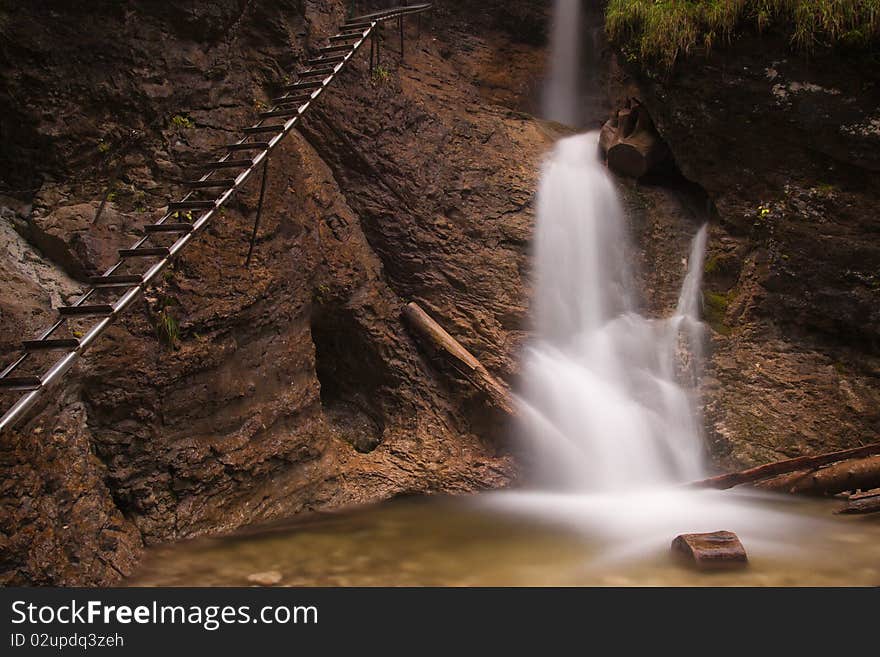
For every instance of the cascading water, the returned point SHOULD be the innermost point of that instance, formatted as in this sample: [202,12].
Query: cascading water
[561,89]
[609,396]
[602,399]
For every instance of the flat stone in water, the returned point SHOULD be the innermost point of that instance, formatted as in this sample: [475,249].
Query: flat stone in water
[719,550]
[269,578]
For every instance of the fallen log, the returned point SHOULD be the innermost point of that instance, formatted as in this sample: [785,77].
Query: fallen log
[863,504]
[460,358]
[852,474]
[631,143]
[804,464]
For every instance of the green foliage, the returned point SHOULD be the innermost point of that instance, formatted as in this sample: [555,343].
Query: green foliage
[103,147]
[179,121]
[664,30]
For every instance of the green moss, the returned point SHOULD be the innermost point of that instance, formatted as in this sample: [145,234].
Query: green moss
[713,265]
[715,308]
[664,30]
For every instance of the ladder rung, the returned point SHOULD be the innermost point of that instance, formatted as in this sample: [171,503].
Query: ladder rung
[216,182]
[287,100]
[341,48]
[169,227]
[325,60]
[47,344]
[347,36]
[316,73]
[102,309]
[279,113]
[228,164]
[355,26]
[190,205]
[260,129]
[144,253]
[311,84]
[248,146]
[115,281]
[21,383]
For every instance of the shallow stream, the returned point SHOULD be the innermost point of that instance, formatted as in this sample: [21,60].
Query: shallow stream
[477,542]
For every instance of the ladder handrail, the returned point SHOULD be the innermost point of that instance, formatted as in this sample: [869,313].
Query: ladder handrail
[63,364]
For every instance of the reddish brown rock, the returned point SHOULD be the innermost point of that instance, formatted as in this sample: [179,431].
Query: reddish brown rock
[293,385]
[719,550]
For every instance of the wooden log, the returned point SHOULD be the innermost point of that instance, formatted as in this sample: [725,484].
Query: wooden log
[720,550]
[852,474]
[867,502]
[631,143]
[460,358]
[801,463]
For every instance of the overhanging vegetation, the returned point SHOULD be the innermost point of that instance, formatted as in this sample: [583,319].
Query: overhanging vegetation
[664,30]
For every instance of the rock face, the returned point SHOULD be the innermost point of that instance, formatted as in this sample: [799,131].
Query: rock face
[292,384]
[784,151]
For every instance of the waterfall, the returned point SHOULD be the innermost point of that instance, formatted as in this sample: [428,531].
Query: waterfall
[609,407]
[560,102]
[610,414]
[608,394]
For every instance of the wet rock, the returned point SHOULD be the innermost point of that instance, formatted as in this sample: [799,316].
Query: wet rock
[719,550]
[292,384]
[791,290]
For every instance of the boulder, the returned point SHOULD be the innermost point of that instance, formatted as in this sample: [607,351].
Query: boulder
[721,550]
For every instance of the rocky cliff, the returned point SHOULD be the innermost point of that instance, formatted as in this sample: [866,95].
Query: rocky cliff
[780,151]
[290,385]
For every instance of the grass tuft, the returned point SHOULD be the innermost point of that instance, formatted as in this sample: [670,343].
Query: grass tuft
[665,30]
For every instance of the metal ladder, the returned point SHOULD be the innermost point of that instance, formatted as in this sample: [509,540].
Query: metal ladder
[257,144]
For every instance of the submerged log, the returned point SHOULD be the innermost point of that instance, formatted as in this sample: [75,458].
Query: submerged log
[459,358]
[802,464]
[720,550]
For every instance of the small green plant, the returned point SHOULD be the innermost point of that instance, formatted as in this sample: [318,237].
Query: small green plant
[103,147]
[826,189]
[167,328]
[381,75]
[111,197]
[762,214]
[179,121]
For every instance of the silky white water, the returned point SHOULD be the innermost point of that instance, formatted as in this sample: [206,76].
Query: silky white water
[609,399]
[560,100]
[604,395]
